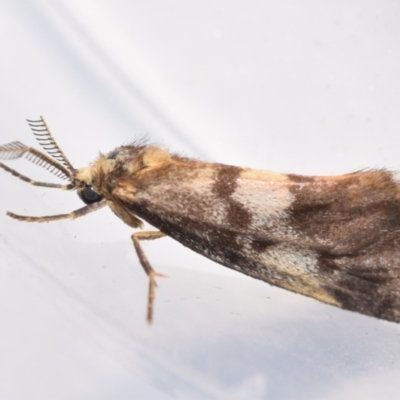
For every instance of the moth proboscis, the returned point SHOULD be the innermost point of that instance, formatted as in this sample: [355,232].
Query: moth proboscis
[332,238]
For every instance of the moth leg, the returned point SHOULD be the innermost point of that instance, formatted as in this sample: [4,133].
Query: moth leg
[136,238]
[74,214]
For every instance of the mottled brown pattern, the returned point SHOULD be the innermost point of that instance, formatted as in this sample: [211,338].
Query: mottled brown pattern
[225,184]
[350,221]
[238,216]
[225,181]
[368,297]
[217,243]
[333,213]
[354,224]
[260,245]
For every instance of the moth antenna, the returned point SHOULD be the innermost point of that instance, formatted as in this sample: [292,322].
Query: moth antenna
[47,141]
[36,183]
[74,214]
[14,150]
[11,151]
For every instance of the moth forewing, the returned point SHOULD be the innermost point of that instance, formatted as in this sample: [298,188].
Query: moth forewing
[331,238]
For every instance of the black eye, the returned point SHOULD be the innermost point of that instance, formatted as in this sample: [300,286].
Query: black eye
[89,196]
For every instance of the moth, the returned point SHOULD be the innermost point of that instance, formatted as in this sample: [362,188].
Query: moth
[333,238]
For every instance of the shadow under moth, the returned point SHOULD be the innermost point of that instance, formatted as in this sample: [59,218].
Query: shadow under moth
[333,238]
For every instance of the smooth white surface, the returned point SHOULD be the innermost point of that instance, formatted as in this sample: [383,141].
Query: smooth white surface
[303,87]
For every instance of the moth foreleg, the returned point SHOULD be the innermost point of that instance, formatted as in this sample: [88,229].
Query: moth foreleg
[136,238]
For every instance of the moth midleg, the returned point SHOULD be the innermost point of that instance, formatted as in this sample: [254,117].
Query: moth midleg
[136,238]
[33,182]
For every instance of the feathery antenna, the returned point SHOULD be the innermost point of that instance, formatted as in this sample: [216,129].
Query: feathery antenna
[11,151]
[14,150]
[47,141]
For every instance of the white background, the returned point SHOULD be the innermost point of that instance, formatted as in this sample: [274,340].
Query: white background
[308,87]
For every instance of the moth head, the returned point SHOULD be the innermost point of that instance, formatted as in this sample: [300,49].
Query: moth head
[83,181]
[55,161]
[107,177]
[92,183]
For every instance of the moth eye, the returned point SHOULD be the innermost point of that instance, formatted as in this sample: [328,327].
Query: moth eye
[89,196]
